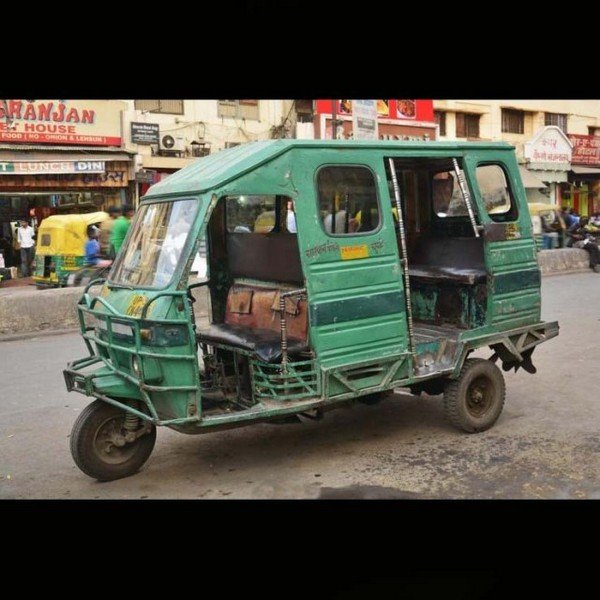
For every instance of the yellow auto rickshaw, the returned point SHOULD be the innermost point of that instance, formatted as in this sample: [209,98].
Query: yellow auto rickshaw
[60,247]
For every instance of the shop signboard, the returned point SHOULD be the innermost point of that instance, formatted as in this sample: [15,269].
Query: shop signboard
[393,110]
[364,119]
[586,150]
[48,167]
[61,122]
[144,133]
[549,146]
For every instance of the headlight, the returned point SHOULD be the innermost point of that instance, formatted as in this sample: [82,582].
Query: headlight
[135,366]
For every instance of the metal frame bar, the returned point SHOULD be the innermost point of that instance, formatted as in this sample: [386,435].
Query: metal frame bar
[404,261]
[466,195]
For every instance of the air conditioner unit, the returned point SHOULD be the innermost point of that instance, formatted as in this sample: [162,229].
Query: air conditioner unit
[171,142]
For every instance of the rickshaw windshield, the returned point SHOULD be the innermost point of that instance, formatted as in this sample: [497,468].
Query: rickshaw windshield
[155,244]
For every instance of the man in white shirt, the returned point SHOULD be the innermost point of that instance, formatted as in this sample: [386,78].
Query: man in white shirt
[27,243]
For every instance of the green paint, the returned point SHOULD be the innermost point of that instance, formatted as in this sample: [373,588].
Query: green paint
[504,283]
[357,327]
[351,309]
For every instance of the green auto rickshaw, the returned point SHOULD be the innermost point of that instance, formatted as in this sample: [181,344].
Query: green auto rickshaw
[60,247]
[363,267]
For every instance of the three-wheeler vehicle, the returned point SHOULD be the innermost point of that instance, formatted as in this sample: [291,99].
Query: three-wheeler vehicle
[60,247]
[385,265]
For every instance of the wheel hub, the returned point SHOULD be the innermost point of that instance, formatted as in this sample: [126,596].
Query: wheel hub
[110,445]
[479,396]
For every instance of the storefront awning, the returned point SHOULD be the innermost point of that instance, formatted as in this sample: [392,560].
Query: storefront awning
[11,155]
[530,180]
[585,170]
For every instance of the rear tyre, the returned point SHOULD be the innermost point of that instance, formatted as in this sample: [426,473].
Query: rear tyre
[474,401]
[93,445]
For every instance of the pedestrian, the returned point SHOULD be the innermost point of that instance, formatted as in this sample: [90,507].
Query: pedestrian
[106,228]
[92,249]
[120,228]
[25,237]
[582,239]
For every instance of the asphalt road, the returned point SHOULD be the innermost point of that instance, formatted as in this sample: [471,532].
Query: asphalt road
[546,443]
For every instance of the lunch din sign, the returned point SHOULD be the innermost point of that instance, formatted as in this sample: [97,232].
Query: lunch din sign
[61,122]
[57,166]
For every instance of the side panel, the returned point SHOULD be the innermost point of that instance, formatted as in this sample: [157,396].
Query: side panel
[355,290]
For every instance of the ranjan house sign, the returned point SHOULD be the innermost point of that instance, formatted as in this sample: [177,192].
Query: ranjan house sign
[61,122]
[550,150]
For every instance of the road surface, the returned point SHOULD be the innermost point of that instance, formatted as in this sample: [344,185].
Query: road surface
[546,443]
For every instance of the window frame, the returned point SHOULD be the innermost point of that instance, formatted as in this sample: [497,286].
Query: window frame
[189,244]
[159,111]
[514,205]
[442,122]
[467,116]
[558,116]
[238,105]
[377,198]
[514,111]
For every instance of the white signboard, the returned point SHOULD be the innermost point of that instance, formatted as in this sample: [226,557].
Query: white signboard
[53,167]
[549,145]
[364,120]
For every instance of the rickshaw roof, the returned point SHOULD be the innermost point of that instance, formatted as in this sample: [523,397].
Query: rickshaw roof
[218,169]
[74,221]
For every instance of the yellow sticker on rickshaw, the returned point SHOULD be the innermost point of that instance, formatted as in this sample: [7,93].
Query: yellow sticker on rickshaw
[135,305]
[353,252]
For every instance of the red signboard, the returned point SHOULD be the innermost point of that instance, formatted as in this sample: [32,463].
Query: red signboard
[586,150]
[400,110]
[81,122]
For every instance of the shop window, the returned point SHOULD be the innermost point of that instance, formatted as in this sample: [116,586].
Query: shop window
[440,119]
[557,119]
[347,200]
[167,107]
[495,193]
[239,109]
[467,125]
[513,121]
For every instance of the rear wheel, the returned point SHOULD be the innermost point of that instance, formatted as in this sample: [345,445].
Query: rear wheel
[104,448]
[474,401]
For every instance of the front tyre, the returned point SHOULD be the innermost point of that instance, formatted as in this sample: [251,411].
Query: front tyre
[102,447]
[473,402]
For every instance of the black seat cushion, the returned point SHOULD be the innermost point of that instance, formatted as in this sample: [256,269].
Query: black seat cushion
[265,344]
[431,274]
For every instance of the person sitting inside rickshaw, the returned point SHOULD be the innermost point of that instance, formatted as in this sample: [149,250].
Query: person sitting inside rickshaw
[92,249]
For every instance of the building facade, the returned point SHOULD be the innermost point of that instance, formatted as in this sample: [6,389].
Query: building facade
[396,119]
[557,143]
[167,135]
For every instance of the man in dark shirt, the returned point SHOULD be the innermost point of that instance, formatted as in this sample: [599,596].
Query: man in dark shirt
[581,238]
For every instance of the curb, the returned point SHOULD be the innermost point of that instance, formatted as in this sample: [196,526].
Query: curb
[27,335]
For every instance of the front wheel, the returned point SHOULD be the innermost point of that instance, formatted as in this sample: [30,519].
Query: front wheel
[104,448]
[474,401]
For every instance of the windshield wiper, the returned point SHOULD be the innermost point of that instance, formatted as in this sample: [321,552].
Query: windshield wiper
[113,286]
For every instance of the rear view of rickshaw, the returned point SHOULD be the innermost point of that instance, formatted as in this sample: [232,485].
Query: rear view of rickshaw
[60,248]
[337,272]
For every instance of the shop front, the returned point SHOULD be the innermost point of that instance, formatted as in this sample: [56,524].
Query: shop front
[547,161]
[403,120]
[582,191]
[60,157]
[35,189]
